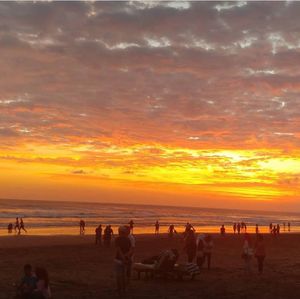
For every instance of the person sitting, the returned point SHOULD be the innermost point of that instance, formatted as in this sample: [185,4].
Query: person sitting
[28,283]
[10,228]
[161,264]
[42,290]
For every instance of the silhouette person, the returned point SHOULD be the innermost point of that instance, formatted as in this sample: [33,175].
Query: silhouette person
[156,227]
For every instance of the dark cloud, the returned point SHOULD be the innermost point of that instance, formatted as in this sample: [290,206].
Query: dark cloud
[198,74]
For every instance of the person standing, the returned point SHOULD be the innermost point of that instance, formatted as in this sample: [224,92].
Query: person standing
[200,250]
[108,233]
[238,228]
[190,245]
[157,227]
[98,237]
[289,227]
[260,252]
[222,230]
[207,250]
[131,255]
[247,252]
[131,224]
[256,229]
[278,229]
[122,259]
[234,228]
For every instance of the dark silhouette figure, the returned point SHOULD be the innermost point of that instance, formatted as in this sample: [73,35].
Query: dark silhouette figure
[107,235]
[260,252]
[10,228]
[17,226]
[222,230]
[207,250]
[22,226]
[256,229]
[238,227]
[81,227]
[190,245]
[234,228]
[131,224]
[122,260]
[98,235]
[156,227]
[189,227]
[200,250]
[289,227]
[271,227]
[171,230]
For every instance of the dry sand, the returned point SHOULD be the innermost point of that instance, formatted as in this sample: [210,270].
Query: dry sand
[79,269]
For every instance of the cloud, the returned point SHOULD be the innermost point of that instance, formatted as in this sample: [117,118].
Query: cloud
[121,83]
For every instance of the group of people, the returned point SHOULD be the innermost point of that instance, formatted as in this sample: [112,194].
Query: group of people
[34,284]
[240,227]
[256,250]
[18,227]
[105,235]
[275,228]
[199,248]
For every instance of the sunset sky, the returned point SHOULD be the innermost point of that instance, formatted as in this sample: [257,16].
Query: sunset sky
[182,103]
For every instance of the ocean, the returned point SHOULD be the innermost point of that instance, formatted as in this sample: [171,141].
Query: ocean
[59,218]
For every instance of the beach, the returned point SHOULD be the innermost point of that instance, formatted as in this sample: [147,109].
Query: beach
[80,269]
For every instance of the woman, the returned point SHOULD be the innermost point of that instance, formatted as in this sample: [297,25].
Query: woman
[260,252]
[42,290]
[200,250]
[207,249]
[247,252]
[190,245]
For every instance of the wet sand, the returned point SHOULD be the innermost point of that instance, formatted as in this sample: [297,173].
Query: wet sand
[79,269]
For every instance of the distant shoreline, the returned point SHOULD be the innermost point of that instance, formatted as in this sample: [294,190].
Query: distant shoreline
[150,205]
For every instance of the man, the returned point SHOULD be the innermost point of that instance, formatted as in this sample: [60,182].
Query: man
[98,232]
[122,259]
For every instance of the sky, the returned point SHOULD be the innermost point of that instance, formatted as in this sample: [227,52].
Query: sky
[182,103]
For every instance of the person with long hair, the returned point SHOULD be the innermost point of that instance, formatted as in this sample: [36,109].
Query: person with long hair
[42,286]
[247,252]
[207,250]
